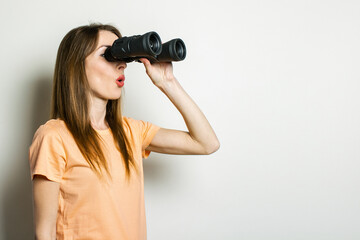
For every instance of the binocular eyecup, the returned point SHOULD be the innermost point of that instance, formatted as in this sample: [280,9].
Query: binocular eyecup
[148,46]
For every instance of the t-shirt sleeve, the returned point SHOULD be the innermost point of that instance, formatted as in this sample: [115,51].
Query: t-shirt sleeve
[47,155]
[143,131]
[149,131]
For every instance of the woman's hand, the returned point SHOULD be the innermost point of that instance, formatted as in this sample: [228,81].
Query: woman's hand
[159,73]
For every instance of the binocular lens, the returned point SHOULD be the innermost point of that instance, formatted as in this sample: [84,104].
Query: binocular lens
[180,49]
[155,43]
[173,50]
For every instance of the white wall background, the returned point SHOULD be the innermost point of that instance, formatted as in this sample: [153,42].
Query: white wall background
[279,81]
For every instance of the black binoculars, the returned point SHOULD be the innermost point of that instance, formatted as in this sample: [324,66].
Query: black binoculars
[148,46]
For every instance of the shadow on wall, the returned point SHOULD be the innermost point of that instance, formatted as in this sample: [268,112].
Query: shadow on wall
[18,209]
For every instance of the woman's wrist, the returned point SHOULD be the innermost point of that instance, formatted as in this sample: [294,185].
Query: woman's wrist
[169,86]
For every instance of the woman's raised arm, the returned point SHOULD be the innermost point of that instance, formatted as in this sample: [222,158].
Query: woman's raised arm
[200,138]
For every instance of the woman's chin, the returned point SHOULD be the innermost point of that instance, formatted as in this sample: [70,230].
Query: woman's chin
[114,97]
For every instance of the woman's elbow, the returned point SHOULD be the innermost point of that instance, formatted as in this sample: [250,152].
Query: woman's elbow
[212,147]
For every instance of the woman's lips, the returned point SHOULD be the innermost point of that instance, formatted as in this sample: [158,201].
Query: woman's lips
[120,81]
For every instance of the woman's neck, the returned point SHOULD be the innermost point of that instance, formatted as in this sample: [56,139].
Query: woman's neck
[98,113]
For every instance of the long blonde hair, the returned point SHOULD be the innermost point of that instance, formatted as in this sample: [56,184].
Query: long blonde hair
[70,101]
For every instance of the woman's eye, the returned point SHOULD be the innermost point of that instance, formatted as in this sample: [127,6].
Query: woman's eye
[102,55]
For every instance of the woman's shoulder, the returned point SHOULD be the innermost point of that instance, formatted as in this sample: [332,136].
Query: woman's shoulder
[131,122]
[128,120]
[51,127]
[54,124]
[138,125]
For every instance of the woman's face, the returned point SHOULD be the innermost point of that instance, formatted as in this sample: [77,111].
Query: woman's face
[105,78]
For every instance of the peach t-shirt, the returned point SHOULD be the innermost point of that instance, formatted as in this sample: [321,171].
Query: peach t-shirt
[90,208]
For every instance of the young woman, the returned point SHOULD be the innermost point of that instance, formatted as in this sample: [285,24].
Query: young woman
[86,162]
